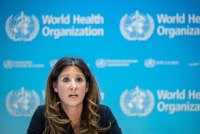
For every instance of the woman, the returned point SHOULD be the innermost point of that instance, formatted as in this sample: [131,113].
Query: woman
[72,103]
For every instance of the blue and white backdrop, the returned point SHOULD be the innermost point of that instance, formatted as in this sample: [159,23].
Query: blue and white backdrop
[144,54]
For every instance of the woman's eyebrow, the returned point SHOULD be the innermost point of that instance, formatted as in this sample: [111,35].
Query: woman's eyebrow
[64,75]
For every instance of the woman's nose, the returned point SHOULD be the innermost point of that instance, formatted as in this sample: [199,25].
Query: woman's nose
[73,85]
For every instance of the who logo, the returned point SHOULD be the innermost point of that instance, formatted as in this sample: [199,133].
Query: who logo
[136,26]
[22,102]
[22,27]
[137,102]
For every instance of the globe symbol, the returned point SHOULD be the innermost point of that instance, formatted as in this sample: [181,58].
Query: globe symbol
[137,102]
[137,26]
[100,63]
[150,63]
[8,64]
[22,24]
[22,103]
[22,27]
[53,62]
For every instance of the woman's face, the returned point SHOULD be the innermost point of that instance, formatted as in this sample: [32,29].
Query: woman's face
[71,87]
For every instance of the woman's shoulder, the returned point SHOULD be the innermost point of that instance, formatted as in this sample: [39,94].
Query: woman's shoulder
[105,112]
[37,121]
[107,117]
[39,112]
[103,108]
[40,109]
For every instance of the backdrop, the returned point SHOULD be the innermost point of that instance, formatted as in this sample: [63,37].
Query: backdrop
[144,54]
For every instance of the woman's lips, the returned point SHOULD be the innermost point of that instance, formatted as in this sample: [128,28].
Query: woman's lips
[73,95]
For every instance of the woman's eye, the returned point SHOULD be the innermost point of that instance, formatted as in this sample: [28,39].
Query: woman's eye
[66,79]
[79,79]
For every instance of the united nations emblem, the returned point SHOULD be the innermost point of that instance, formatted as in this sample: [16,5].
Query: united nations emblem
[8,64]
[136,26]
[22,103]
[22,27]
[150,63]
[52,62]
[101,63]
[137,102]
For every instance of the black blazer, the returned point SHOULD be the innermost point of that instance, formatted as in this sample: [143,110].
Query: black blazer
[37,124]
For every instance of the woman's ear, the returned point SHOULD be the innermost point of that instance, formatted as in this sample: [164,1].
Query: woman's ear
[55,87]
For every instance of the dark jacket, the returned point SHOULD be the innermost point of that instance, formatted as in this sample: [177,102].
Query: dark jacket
[37,124]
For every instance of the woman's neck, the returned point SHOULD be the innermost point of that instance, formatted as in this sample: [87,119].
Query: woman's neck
[74,115]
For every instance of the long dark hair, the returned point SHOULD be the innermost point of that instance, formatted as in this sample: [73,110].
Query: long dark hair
[55,121]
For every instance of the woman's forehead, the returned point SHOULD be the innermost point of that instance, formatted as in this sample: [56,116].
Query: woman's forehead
[71,70]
